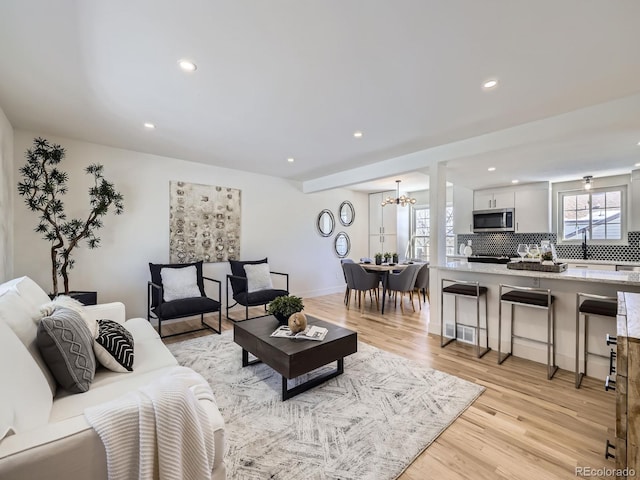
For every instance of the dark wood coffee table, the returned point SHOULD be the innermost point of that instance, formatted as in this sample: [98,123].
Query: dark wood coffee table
[292,358]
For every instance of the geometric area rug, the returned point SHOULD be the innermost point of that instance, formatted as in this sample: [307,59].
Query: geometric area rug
[370,422]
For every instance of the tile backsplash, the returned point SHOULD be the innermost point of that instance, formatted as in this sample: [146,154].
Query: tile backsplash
[507,244]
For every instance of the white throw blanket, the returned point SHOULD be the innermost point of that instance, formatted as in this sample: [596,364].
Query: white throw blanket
[159,431]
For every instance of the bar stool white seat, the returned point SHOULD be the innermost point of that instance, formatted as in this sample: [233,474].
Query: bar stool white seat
[460,288]
[587,305]
[535,298]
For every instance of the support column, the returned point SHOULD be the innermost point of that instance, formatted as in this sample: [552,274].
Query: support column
[437,237]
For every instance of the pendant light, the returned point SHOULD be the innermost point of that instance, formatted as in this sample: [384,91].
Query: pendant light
[400,199]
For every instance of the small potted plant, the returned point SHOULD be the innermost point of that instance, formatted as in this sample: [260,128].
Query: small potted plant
[285,306]
[395,258]
[387,257]
[378,257]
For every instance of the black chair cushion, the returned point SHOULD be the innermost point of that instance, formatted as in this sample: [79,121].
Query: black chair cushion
[156,277]
[599,307]
[528,298]
[186,307]
[259,297]
[237,270]
[463,289]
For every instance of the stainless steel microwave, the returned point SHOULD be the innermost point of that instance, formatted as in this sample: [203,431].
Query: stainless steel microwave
[495,220]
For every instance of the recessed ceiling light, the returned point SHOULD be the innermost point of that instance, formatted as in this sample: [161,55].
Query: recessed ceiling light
[149,125]
[491,169]
[638,144]
[187,65]
[290,159]
[637,165]
[489,84]
[515,181]
[357,134]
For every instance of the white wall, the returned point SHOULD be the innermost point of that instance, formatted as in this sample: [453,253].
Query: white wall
[6,198]
[278,221]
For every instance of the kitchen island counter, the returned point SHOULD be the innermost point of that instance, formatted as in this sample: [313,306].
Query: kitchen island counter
[531,322]
[573,274]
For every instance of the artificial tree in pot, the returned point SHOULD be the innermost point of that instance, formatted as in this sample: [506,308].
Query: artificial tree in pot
[42,186]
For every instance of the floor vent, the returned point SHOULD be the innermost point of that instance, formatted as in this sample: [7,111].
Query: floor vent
[465,334]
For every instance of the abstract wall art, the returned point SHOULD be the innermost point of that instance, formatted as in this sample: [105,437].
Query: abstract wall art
[204,223]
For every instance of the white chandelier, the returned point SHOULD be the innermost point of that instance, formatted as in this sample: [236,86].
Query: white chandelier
[400,199]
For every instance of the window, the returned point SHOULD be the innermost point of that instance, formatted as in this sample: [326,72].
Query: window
[421,232]
[600,213]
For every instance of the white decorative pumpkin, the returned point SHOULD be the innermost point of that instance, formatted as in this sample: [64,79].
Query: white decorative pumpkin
[297,322]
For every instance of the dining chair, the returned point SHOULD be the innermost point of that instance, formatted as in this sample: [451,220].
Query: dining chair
[362,281]
[347,291]
[404,282]
[422,283]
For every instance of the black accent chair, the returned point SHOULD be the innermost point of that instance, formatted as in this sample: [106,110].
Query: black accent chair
[184,307]
[239,287]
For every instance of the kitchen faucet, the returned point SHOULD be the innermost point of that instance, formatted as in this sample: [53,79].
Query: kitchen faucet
[585,255]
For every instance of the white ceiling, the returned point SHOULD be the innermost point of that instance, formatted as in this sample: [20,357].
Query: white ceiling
[292,78]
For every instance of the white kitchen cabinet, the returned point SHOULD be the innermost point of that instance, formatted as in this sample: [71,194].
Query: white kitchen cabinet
[382,220]
[383,224]
[382,244]
[532,210]
[462,210]
[490,199]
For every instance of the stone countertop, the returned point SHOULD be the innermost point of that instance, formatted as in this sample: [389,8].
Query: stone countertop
[572,274]
[598,262]
[574,260]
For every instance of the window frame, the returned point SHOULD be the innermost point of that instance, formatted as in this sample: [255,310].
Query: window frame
[413,236]
[624,214]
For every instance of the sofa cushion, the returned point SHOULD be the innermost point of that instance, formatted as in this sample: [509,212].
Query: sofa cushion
[113,346]
[26,399]
[151,354]
[31,292]
[22,318]
[178,283]
[66,344]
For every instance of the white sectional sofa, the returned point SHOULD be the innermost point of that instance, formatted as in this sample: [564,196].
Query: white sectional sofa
[43,431]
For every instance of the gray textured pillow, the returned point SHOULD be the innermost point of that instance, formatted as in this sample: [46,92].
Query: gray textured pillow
[66,345]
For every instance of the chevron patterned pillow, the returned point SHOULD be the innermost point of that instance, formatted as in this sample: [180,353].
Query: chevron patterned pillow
[114,346]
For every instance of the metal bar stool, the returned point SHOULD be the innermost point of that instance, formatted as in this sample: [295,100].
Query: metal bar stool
[536,298]
[466,289]
[589,304]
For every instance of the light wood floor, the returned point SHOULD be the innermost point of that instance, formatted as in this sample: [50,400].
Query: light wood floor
[522,427]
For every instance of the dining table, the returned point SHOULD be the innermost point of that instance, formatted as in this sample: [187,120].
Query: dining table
[384,269]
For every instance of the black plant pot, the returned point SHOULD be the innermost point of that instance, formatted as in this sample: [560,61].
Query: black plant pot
[282,319]
[86,298]
[378,261]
